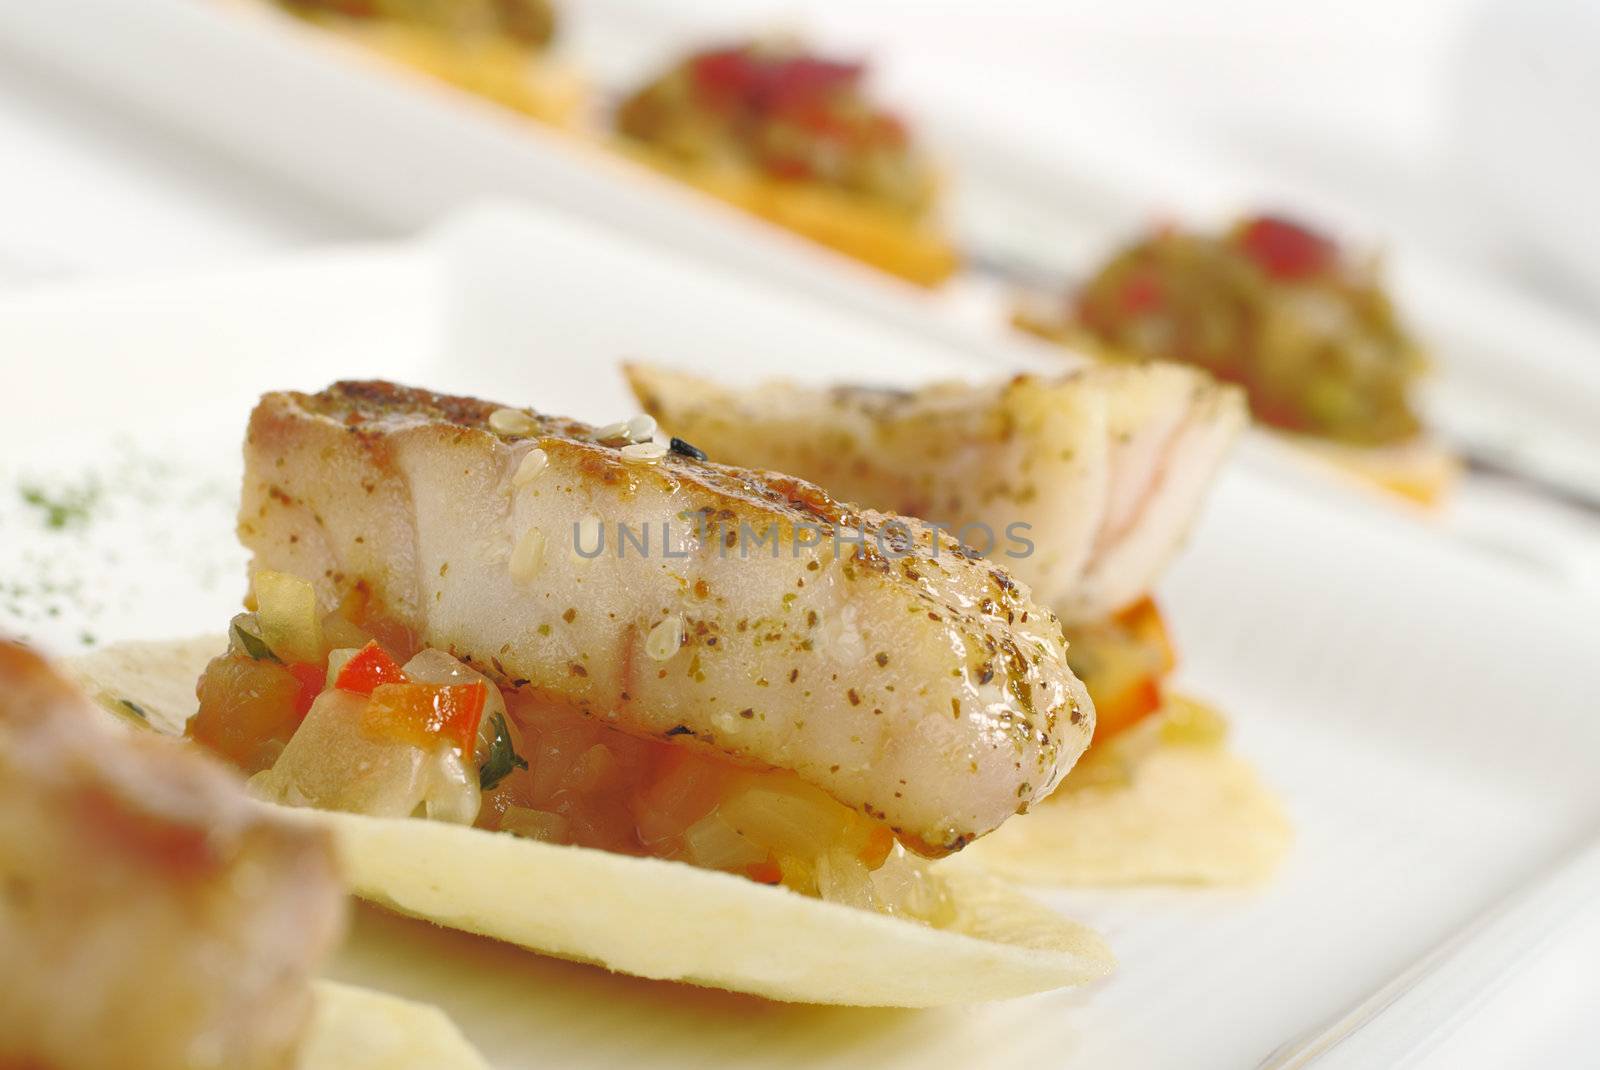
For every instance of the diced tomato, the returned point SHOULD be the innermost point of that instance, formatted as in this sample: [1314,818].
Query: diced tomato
[1144,620]
[248,709]
[749,80]
[1286,250]
[1141,294]
[803,78]
[726,74]
[768,872]
[423,714]
[310,678]
[370,667]
[1126,706]
[1126,660]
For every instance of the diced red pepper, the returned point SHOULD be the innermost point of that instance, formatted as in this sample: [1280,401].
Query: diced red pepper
[1285,250]
[1141,293]
[310,678]
[1126,707]
[768,872]
[370,667]
[423,714]
[747,79]
[800,79]
[726,74]
[1144,620]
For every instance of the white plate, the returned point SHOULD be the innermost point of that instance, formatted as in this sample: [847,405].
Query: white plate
[1519,382]
[1427,714]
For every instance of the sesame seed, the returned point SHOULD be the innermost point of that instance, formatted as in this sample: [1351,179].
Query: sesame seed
[642,427]
[511,422]
[647,452]
[611,432]
[527,557]
[665,638]
[533,462]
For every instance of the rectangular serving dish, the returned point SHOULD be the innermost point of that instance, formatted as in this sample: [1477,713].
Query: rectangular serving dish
[1426,712]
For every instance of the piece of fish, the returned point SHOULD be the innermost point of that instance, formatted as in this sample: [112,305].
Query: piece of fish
[151,916]
[1083,484]
[736,610]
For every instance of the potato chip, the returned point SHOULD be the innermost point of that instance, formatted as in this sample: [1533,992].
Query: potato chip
[359,1029]
[659,919]
[1154,810]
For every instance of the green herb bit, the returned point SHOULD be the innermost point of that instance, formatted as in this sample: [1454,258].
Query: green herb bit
[254,647]
[66,508]
[502,756]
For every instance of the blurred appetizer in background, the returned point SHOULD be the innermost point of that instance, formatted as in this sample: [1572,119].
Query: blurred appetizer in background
[536,666]
[1083,486]
[499,49]
[794,138]
[155,917]
[1302,325]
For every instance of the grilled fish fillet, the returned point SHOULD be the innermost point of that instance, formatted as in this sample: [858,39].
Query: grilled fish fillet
[1104,468]
[904,678]
[151,916]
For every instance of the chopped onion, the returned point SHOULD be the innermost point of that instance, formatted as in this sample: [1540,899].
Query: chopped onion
[534,824]
[713,843]
[843,878]
[286,606]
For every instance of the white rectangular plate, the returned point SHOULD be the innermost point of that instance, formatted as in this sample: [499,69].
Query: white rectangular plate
[1427,714]
[1519,382]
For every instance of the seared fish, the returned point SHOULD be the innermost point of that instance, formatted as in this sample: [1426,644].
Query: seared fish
[733,609]
[151,916]
[1083,485]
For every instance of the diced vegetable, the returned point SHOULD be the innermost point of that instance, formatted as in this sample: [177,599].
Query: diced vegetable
[311,679]
[1307,329]
[290,622]
[534,824]
[331,764]
[1285,250]
[713,843]
[684,789]
[424,714]
[793,819]
[768,872]
[370,667]
[453,795]
[1191,723]
[248,710]
[1122,662]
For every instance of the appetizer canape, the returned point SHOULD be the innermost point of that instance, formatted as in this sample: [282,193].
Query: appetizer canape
[1303,326]
[155,917]
[1084,486]
[498,49]
[793,138]
[685,720]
